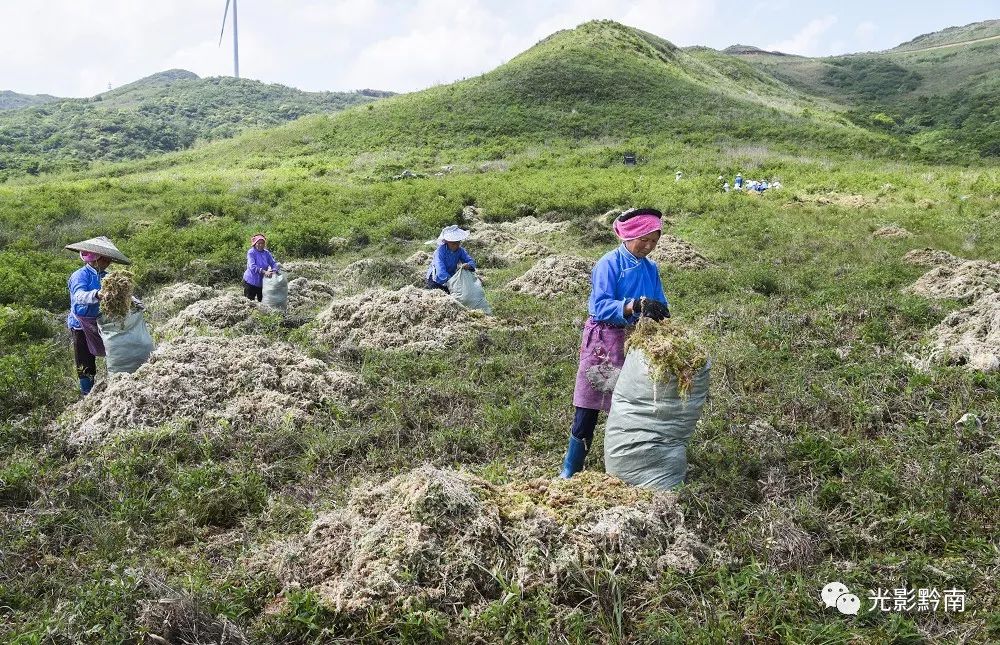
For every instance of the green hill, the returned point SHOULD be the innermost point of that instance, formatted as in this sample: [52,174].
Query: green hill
[599,81]
[14,101]
[939,92]
[161,113]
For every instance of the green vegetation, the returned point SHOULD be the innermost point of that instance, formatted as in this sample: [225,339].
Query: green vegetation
[943,101]
[168,111]
[818,424]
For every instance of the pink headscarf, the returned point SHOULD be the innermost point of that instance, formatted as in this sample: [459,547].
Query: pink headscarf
[258,236]
[637,226]
[89,257]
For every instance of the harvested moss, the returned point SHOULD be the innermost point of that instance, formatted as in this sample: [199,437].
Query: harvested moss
[554,276]
[435,538]
[116,294]
[671,349]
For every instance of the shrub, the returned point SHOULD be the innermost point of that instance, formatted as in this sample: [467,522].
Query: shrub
[35,279]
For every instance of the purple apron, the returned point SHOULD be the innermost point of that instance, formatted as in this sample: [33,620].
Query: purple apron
[93,335]
[602,354]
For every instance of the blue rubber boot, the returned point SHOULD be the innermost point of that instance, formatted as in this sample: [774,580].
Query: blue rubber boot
[86,385]
[576,454]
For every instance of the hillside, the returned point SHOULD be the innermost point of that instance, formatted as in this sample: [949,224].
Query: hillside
[14,101]
[161,113]
[601,81]
[938,92]
[377,464]
[952,36]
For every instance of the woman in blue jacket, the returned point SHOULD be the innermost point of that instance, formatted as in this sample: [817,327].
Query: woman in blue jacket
[448,258]
[85,305]
[625,284]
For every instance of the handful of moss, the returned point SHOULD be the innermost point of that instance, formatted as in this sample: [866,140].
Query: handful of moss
[671,349]
[116,294]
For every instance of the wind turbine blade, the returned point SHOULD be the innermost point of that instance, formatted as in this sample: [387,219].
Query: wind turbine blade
[224,14]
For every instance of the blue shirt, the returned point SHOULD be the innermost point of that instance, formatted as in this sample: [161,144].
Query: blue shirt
[83,287]
[617,278]
[445,262]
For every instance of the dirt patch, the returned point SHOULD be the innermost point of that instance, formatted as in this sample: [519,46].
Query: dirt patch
[554,276]
[891,232]
[774,535]
[433,537]
[835,199]
[970,337]
[408,319]
[171,299]
[178,618]
[965,281]
[379,272]
[675,252]
[244,382]
[304,294]
[227,311]
[931,258]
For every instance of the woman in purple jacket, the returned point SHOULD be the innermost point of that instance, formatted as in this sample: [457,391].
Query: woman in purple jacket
[260,265]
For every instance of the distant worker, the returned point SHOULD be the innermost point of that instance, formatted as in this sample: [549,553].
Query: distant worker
[677,175]
[725,187]
[624,285]
[85,305]
[448,258]
[260,265]
[738,182]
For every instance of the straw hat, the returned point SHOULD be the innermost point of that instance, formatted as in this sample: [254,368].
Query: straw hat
[101,246]
[452,233]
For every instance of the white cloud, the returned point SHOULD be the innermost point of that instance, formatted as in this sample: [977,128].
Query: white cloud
[808,40]
[339,15]
[442,40]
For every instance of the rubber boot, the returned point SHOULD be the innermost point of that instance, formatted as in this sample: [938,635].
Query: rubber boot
[576,454]
[86,385]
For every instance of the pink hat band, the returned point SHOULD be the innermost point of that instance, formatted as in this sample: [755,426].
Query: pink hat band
[637,226]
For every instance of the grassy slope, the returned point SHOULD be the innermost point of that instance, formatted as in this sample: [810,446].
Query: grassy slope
[952,35]
[864,455]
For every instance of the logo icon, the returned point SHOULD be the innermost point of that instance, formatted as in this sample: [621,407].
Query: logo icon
[836,594]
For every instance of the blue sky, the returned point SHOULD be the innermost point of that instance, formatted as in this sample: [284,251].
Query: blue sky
[79,47]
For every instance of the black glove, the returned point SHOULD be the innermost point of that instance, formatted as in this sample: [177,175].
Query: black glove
[651,308]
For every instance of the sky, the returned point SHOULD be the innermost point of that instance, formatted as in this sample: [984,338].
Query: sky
[77,48]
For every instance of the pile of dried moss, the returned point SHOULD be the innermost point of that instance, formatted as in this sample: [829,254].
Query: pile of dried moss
[671,350]
[436,538]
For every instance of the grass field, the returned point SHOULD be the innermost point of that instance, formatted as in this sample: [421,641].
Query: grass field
[818,427]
